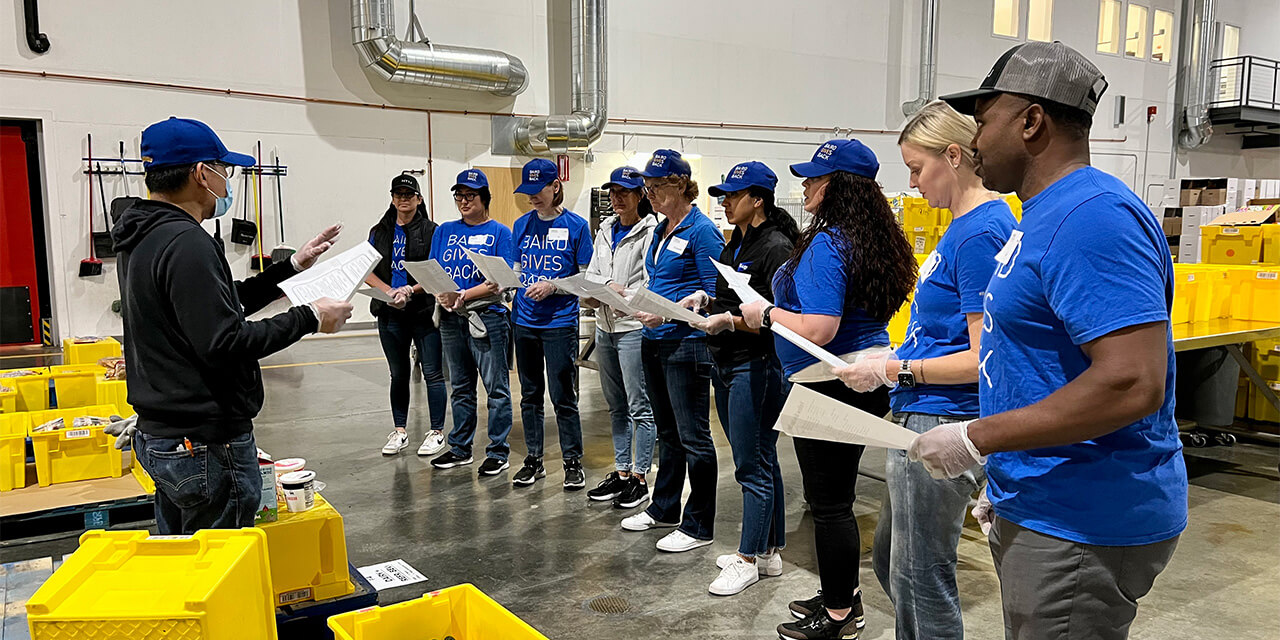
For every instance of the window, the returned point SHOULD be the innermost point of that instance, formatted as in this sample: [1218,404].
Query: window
[1006,18]
[1162,37]
[1135,32]
[1229,76]
[1040,20]
[1109,26]
[1230,41]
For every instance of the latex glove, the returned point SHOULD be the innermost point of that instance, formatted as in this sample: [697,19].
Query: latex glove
[449,300]
[753,313]
[983,512]
[306,256]
[407,290]
[398,299]
[867,374]
[123,430]
[714,324]
[540,290]
[650,320]
[331,314]
[945,450]
[696,301]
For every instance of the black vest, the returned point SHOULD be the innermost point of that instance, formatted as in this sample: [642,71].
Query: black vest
[417,248]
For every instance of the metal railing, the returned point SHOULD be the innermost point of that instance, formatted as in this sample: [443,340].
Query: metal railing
[1246,81]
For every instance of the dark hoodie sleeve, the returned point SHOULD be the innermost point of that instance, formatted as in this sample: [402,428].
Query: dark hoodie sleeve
[197,282]
[264,288]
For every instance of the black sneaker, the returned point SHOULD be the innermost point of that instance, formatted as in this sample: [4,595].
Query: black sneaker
[449,460]
[802,609]
[530,472]
[819,626]
[492,466]
[633,495]
[611,486]
[574,477]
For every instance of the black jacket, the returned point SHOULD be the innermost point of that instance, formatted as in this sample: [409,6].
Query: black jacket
[417,248]
[193,358]
[763,250]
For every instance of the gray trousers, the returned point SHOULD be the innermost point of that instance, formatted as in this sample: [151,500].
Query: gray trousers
[1055,589]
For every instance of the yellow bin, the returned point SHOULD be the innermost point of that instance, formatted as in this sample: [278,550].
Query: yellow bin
[308,554]
[1266,359]
[462,612]
[8,398]
[1271,244]
[115,393]
[1260,409]
[77,352]
[76,385]
[1186,289]
[71,454]
[13,450]
[214,585]
[32,385]
[1230,245]
[1256,295]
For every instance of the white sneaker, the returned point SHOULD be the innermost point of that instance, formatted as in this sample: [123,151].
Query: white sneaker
[642,522]
[678,541]
[433,444]
[769,564]
[738,575]
[396,442]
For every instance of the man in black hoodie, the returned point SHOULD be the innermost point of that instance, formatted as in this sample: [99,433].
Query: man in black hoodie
[193,357]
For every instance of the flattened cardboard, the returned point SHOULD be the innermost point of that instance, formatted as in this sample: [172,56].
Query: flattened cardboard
[1252,216]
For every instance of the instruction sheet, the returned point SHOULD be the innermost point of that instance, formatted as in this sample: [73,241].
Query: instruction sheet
[337,278]
[432,276]
[650,302]
[386,575]
[495,270]
[809,414]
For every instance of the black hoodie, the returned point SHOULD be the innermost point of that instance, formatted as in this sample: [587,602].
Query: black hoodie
[193,358]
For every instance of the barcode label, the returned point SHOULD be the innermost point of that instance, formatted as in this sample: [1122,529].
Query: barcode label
[920,242]
[1230,231]
[1191,277]
[1268,275]
[79,433]
[293,596]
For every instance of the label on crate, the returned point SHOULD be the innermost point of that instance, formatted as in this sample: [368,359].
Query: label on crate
[293,596]
[920,244]
[386,575]
[1230,231]
[1268,275]
[79,433]
[1191,277]
[183,537]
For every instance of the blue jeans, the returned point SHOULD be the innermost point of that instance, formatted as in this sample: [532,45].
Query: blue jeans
[622,380]
[485,358]
[748,401]
[397,332]
[678,373]
[212,486]
[556,349]
[914,553]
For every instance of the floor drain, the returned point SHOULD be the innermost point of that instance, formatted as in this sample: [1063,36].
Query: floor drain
[608,604]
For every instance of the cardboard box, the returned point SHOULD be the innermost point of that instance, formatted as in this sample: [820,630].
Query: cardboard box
[1248,217]
[1172,225]
[1189,198]
[268,508]
[1213,197]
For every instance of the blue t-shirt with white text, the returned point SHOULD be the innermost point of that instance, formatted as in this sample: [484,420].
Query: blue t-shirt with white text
[546,250]
[490,238]
[399,275]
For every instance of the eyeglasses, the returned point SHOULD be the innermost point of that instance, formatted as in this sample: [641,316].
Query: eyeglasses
[403,195]
[227,171]
[465,197]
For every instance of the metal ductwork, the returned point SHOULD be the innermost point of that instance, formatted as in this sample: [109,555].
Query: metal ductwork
[426,64]
[928,57]
[578,130]
[1197,61]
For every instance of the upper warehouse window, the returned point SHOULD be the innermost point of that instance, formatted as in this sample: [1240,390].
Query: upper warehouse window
[1006,18]
[1109,26]
[1135,32]
[1162,36]
[1040,20]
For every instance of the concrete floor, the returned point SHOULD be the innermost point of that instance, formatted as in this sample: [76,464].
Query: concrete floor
[544,553]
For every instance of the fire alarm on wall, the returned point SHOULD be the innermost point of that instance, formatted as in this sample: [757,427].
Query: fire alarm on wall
[1151,113]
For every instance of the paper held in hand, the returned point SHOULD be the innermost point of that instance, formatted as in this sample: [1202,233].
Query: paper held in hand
[495,270]
[809,414]
[337,278]
[650,302]
[577,284]
[433,278]
[376,294]
[604,293]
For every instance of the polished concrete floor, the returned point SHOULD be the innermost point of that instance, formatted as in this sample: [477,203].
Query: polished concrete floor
[545,553]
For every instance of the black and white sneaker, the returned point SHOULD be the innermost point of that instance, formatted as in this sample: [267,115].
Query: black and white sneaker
[530,472]
[633,495]
[819,626]
[492,466]
[610,487]
[574,477]
[449,460]
[802,609]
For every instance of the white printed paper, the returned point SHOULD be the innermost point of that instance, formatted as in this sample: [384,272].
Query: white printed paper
[386,575]
[432,276]
[337,278]
[376,294]
[809,414]
[576,284]
[495,270]
[739,282]
[650,302]
[604,293]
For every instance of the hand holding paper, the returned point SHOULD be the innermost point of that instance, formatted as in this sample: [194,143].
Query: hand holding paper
[946,450]
[650,302]
[337,277]
[809,414]
[431,276]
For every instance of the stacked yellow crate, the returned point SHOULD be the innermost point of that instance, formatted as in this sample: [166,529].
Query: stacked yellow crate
[1266,359]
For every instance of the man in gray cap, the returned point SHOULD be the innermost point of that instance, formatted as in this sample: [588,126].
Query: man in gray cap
[1087,490]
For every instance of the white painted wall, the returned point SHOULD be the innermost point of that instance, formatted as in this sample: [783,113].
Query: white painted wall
[820,63]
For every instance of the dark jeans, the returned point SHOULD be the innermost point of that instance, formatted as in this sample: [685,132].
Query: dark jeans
[555,351]
[486,359]
[829,471]
[678,373]
[397,332]
[212,486]
[748,401]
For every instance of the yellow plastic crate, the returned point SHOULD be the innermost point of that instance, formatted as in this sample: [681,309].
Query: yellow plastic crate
[1266,359]
[214,585]
[1243,390]
[924,239]
[1271,244]
[462,612]
[918,213]
[1015,205]
[1255,294]
[143,478]
[1186,289]
[115,393]
[308,555]
[8,398]
[13,450]
[70,455]
[33,388]
[76,385]
[1259,408]
[1230,245]
[89,352]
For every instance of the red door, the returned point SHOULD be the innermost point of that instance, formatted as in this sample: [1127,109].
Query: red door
[19,280]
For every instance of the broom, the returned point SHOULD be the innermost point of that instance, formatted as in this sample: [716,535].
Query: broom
[90,266]
[260,261]
[282,251]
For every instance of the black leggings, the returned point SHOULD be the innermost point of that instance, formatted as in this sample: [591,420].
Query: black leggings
[830,472]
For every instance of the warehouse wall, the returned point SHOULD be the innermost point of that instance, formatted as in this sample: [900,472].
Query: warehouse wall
[819,63]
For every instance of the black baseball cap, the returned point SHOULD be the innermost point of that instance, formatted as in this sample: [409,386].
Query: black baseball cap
[405,181]
[1049,70]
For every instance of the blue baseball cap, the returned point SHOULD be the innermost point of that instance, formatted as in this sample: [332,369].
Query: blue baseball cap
[625,177]
[743,175]
[179,141]
[537,174]
[473,178]
[839,155]
[666,162]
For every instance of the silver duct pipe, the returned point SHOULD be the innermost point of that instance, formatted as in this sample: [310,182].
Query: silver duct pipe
[576,131]
[1198,88]
[928,57]
[426,64]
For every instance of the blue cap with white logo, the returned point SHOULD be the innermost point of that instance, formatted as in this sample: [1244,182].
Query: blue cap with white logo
[471,178]
[744,175]
[666,162]
[625,177]
[179,141]
[839,155]
[537,174]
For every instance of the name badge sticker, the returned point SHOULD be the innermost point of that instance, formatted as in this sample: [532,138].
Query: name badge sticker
[558,234]
[677,245]
[1006,252]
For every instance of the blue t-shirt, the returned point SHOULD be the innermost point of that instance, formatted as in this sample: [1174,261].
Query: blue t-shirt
[1089,259]
[678,266]
[952,282]
[490,238]
[817,286]
[619,232]
[546,250]
[399,275]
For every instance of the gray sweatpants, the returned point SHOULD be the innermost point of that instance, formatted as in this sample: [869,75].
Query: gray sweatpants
[1055,589]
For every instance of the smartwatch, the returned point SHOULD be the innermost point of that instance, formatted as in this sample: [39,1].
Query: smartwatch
[906,379]
[766,318]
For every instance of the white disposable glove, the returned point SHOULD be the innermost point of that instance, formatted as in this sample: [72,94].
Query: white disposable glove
[714,324]
[697,301]
[945,450]
[983,512]
[123,430]
[331,314]
[306,256]
[867,374]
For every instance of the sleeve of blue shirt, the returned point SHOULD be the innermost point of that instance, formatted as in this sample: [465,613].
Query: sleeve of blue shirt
[1102,273]
[585,247]
[708,242]
[506,246]
[975,263]
[437,243]
[820,278]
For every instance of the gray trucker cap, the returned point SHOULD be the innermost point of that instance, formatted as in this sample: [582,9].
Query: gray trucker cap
[1048,70]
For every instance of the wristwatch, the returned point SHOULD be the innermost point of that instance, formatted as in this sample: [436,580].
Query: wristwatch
[766,318]
[906,379]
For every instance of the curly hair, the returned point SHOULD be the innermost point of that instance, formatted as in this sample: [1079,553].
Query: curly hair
[877,256]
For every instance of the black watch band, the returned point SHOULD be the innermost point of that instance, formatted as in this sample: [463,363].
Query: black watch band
[766,319]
